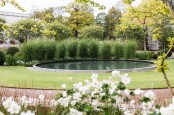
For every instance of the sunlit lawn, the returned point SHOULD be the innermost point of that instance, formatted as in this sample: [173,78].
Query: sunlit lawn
[18,76]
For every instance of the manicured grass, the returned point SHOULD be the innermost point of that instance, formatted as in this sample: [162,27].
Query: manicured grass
[18,76]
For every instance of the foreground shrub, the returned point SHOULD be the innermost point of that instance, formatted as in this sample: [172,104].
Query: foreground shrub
[106,97]
[118,52]
[12,51]
[72,48]
[93,49]
[129,49]
[105,50]
[92,32]
[10,60]
[2,58]
[83,48]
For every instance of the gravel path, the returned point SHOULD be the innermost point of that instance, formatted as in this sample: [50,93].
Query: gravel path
[163,95]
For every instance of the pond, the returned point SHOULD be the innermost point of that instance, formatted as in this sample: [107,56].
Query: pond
[96,65]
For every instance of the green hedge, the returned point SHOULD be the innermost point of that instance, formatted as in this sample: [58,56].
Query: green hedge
[2,58]
[44,50]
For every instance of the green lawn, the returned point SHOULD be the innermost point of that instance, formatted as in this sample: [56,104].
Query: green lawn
[17,76]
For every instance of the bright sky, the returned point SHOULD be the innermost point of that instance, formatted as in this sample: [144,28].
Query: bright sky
[30,5]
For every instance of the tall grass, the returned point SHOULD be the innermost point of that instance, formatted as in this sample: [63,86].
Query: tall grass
[61,50]
[129,49]
[118,51]
[72,46]
[83,51]
[93,49]
[105,50]
[40,49]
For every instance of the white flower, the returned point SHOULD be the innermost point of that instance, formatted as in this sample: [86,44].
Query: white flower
[138,91]
[168,110]
[64,94]
[94,77]
[126,80]
[63,101]
[7,102]
[27,113]
[150,95]
[75,112]
[70,78]
[1,113]
[83,89]
[115,73]
[41,97]
[73,103]
[14,108]
[173,99]
[127,92]
[78,85]
[77,96]
[63,86]
[111,90]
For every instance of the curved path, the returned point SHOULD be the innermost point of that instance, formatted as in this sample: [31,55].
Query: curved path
[163,95]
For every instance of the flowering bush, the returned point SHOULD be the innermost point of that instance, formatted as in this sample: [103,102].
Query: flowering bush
[107,97]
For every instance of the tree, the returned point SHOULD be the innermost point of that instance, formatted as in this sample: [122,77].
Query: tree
[48,15]
[100,19]
[24,30]
[12,2]
[130,33]
[92,32]
[142,14]
[80,15]
[57,30]
[111,20]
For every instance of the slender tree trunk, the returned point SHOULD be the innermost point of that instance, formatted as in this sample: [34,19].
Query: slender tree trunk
[76,33]
[145,38]
[167,82]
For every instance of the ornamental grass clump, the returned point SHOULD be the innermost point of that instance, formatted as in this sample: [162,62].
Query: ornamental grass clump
[93,49]
[129,49]
[105,50]
[61,50]
[118,51]
[72,46]
[83,50]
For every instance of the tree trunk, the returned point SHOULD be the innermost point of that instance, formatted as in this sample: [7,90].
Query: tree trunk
[76,33]
[145,38]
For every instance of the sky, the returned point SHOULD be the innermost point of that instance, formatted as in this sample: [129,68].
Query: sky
[30,5]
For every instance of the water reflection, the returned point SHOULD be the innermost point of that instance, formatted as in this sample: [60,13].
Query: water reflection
[95,65]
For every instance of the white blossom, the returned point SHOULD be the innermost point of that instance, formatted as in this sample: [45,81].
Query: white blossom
[75,112]
[41,97]
[127,92]
[63,86]
[150,94]
[115,73]
[138,91]
[94,77]
[27,113]
[14,108]
[1,113]
[126,80]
